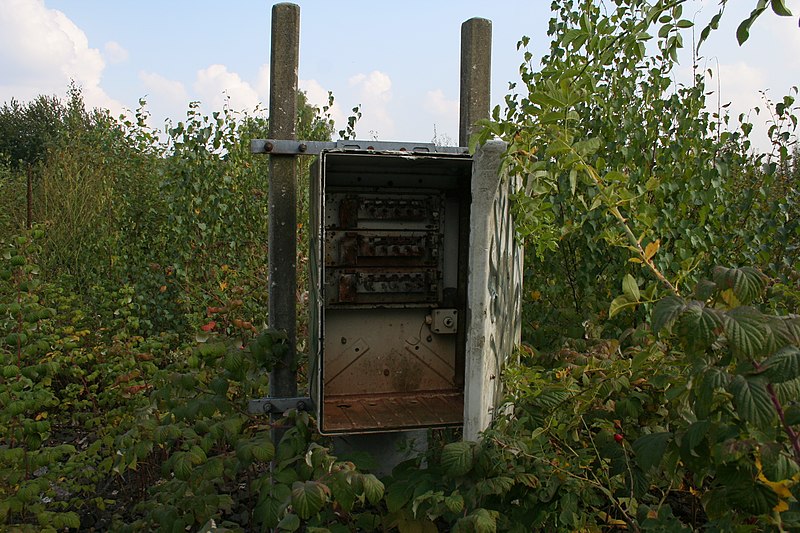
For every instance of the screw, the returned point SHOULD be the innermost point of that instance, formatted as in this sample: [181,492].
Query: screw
[303,147]
[267,407]
[268,147]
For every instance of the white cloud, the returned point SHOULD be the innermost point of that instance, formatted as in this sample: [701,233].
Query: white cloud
[784,40]
[114,53]
[262,84]
[165,98]
[375,86]
[435,103]
[164,90]
[318,96]
[744,89]
[739,84]
[374,91]
[49,51]
[216,87]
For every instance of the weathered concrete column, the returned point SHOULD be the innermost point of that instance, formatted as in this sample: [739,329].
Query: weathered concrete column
[494,295]
[285,51]
[476,75]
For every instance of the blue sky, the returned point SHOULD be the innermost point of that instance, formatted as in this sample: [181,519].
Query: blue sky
[399,60]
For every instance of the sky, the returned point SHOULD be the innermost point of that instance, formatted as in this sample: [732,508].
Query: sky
[399,61]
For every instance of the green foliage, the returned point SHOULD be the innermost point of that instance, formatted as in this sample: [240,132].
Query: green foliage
[64,395]
[609,192]
[132,319]
[99,304]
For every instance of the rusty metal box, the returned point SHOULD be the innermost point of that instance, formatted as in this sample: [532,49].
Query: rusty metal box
[389,257]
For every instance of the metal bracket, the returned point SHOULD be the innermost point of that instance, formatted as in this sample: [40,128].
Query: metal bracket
[279,406]
[291,147]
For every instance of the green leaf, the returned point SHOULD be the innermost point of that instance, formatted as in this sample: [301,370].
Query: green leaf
[752,497]
[666,311]
[398,495]
[529,480]
[747,283]
[573,181]
[619,304]
[546,100]
[290,522]
[234,362]
[743,31]
[752,400]
[182,466]
[307,498]
[615,175]
[342,491]
[788,391]
[499,485]
[780,9]
[587,147]
[792,414]
[697,432]
[373,488]
[698,326]
[712,25]
[704,290]
[745,329]
[786,330]
[649,449]
[273,502]
[478,521]
[558,147]
[630,287]
[458,458]
[716,378]
[263,450]
[454,503]
[196,455]
[784,365]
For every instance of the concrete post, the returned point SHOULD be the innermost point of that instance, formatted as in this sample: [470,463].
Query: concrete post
[476,75]
[285,51]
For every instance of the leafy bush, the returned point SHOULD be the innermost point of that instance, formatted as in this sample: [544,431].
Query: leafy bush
[132,325]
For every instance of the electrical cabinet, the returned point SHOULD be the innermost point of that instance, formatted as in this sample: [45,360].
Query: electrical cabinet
[389,257]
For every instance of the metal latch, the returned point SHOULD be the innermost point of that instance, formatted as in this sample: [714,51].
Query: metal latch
[444,321]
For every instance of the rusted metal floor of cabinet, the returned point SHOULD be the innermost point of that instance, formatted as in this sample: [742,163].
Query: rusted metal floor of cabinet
[388,412]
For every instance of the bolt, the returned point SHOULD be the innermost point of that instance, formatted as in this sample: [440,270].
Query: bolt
[268,147]
[267,407]
[303,147]
[301,405]
[344,340]
[448,322]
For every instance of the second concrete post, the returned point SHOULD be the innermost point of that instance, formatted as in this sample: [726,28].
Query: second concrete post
[285,51]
